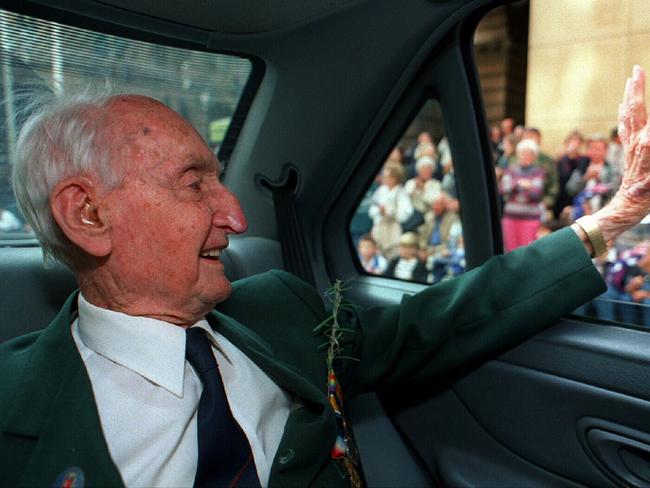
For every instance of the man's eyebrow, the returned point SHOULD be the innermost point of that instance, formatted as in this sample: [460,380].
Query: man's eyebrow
[200,164]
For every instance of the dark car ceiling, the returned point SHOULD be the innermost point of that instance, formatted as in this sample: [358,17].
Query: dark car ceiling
[233,16]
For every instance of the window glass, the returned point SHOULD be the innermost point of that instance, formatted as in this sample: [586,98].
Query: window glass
[552,74]
[203,87]
[408,224]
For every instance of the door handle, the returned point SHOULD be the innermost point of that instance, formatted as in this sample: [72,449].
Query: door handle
[625,459]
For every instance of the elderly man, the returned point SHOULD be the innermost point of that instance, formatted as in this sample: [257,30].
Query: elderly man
[122,388]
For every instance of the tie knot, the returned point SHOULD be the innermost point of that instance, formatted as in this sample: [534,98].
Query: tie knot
[198,350]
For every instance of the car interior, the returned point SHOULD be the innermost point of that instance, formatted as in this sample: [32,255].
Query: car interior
[333,85]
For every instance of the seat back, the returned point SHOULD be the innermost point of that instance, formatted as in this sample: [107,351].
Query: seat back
[31,294]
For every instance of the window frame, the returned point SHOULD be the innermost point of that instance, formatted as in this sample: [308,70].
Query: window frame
[468,141]
[135,27]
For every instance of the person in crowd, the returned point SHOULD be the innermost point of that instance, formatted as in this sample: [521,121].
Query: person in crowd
[390,207]
[508,157]
[361,223]
[441,267]
[571,160]
[448,184]
[523,188]
[396,156]
[551,183]
[518,132]
[618,269]
[440,228]
[507,126]
[371,259]
[444,158]
[423,188]
[407,265]
[439,236]
[596,183]
[153,343]
[423,146]
[637,290]
[495,139]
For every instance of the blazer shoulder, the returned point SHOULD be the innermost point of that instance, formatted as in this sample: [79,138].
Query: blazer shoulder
[14,355]
[270,288]
[14,351]
[283,311]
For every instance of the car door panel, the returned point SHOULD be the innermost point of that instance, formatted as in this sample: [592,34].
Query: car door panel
[541,412]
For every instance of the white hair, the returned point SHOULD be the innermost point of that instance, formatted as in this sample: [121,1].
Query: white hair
[59,138]
[424,161]
[528,145]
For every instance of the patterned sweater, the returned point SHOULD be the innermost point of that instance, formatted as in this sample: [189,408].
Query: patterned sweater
[523,189]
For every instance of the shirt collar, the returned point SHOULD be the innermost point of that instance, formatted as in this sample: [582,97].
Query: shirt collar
[149,347]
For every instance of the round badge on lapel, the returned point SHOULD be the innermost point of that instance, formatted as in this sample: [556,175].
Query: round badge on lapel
[70,478]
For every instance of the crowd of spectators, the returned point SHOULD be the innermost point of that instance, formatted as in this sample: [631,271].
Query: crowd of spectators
[541,194]
[408,225]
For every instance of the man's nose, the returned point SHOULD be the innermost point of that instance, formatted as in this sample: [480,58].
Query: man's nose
[227,212]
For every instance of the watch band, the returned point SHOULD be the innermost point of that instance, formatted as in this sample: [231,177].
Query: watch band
[595,236]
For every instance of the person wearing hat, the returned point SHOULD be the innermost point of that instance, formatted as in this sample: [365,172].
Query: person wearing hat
[407,266]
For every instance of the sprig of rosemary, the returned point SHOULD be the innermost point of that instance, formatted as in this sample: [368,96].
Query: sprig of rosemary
[331,328]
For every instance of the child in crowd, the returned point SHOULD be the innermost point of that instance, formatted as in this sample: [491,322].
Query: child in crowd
[407,266]
[370,257]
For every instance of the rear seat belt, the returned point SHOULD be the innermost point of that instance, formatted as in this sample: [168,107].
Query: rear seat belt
[294,248]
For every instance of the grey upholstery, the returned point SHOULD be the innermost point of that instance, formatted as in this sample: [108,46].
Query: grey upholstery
[31,295]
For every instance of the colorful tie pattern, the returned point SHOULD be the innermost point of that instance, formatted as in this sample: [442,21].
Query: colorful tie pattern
[344,449]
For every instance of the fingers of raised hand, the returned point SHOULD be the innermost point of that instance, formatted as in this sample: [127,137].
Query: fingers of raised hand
[622,129]
[639,115]
[632,115]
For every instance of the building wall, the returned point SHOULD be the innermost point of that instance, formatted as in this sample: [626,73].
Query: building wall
[580,53]
[500,46]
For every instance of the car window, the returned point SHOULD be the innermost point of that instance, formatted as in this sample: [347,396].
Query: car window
[552,75]
[408,225]
[203,87]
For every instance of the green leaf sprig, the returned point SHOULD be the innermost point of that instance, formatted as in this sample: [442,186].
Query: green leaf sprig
[330,328]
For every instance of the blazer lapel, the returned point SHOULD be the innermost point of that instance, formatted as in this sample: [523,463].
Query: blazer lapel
[311,430]
[285,375]
[55,410]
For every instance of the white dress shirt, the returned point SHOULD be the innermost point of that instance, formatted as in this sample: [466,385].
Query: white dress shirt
[147,396]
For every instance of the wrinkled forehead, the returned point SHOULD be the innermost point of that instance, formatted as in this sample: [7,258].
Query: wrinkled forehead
[143,131]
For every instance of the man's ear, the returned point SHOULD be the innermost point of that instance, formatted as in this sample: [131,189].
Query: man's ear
[80,216]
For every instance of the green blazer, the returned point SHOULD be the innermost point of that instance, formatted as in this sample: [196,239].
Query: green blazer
[49,421]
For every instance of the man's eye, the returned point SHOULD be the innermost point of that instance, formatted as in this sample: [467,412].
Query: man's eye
[195,185]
